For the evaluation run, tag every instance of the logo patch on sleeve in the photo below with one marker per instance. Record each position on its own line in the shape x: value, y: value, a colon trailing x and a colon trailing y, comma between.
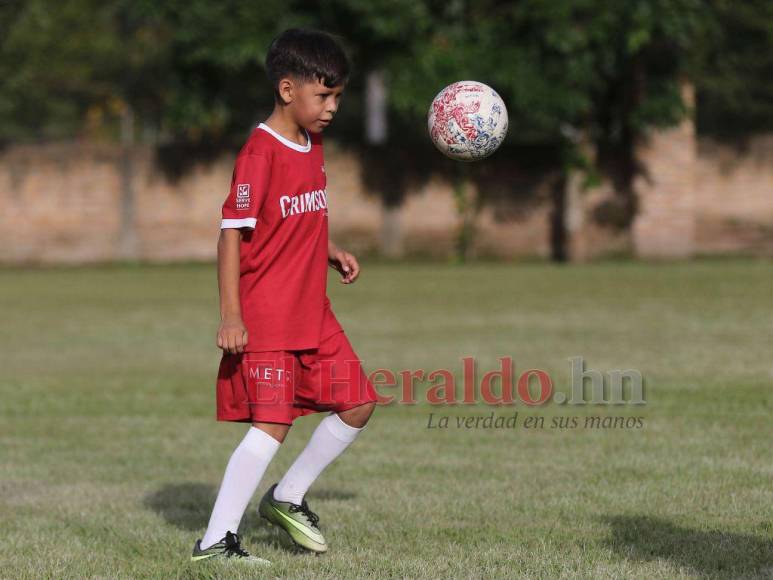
x: 243, y: 196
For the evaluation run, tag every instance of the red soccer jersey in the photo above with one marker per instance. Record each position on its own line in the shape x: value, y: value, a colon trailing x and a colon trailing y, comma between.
x: 278, y: 196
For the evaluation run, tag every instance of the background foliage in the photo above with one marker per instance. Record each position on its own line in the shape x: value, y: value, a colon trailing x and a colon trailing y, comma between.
x: 193, y: 70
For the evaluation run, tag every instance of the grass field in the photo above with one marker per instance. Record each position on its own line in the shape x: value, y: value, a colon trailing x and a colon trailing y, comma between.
x: 111, y: 456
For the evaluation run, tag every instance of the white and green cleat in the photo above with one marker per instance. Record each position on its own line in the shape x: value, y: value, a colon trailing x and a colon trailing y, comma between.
x: 300, y: 523
x: 227, y: 548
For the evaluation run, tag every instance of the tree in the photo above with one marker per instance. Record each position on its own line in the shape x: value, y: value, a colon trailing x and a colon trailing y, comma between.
x: 604, y: 69
x: 733, y: 70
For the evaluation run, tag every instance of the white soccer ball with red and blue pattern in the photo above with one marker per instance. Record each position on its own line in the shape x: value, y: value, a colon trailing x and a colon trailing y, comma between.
x: 467, y: 121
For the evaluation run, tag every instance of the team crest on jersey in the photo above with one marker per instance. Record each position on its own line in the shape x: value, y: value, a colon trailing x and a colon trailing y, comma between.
x: 243, y: 196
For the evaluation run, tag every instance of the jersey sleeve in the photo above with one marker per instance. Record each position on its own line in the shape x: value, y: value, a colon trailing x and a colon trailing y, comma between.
x: 249, y: 188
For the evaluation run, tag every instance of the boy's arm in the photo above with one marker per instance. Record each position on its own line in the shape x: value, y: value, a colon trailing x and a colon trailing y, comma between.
x: 344, y: 262
x: 232, y: 334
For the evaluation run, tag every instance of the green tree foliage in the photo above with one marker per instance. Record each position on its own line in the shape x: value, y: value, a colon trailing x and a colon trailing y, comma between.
x: 53, y: 64
x: 734, y: 76
x: 193, y: 68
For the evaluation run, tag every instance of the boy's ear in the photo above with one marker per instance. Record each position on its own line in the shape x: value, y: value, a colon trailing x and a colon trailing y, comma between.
x: 286, y: 90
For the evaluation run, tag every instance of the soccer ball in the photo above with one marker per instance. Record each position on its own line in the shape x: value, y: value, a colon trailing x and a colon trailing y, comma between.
x: 467, y: 121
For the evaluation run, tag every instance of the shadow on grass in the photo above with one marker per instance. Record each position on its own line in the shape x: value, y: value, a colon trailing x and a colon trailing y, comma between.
x: 330, y: 495
x: 184, y: 505
x: 711, y: 553
x: 188, y: 505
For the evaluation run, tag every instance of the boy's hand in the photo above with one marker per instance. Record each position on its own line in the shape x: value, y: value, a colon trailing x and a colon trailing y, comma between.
x: 232, y: 336
x: 344, y: 262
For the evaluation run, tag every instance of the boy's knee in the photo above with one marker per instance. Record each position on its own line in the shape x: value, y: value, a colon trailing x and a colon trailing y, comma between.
x: 357, y: 416
x: 367, y: 410
x: 276, y: 430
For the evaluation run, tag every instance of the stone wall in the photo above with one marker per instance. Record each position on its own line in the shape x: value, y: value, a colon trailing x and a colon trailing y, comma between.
x: 64, y: 203
x: 734, y: 210
x: 664, y: 226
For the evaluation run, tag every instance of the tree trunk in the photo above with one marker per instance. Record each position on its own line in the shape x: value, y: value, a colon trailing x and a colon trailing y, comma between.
x: 128, y: 247
x: 559, y: 236
x: 376, y: 136
x: 466, y: 201
x: 376, y: 129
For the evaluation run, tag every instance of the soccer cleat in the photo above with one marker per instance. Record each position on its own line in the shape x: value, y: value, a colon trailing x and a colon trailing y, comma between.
x: 300, y: 523
x: 228, y: 547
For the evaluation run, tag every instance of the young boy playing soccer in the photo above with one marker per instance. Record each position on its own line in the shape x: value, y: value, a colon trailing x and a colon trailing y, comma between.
x: 284, y: 353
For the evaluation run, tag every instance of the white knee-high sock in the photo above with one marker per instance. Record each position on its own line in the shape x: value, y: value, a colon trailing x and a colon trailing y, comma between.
x: 243, y: 473
x: 331, y: 437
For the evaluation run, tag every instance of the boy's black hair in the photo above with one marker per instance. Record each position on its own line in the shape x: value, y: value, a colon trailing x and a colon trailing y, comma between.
x: 308, y: 55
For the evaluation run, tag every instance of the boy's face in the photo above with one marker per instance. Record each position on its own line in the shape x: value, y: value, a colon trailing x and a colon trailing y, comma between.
x: 313, y: 104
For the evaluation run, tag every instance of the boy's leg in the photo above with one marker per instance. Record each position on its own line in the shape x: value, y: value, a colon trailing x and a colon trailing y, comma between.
x: 329, y: 440
x: 289, y: 510
x: 242, y: 475
x: 332, y: 376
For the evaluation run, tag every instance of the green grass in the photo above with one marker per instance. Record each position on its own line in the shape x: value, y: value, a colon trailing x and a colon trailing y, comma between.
x: 111, y: 457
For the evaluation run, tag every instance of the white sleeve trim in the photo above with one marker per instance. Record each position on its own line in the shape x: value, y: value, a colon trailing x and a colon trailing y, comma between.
x: 240, y: 223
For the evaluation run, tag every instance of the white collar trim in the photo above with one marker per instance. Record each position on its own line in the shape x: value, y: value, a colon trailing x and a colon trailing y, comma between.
x: 291, y: 144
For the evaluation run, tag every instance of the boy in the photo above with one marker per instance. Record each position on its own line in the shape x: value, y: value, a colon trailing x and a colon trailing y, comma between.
x: 284, y: 353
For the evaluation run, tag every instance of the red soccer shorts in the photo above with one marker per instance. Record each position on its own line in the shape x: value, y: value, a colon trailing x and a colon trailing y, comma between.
x: 278, y: 386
